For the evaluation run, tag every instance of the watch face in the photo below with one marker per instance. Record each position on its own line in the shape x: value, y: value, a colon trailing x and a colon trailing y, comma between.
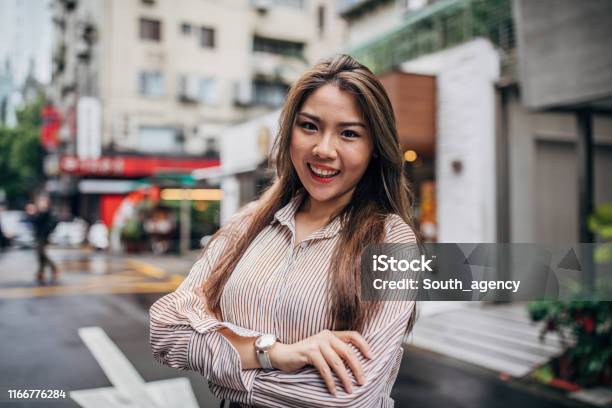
x: 265, y: 341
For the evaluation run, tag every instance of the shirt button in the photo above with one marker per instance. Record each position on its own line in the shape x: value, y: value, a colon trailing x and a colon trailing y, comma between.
x: 304, y: 245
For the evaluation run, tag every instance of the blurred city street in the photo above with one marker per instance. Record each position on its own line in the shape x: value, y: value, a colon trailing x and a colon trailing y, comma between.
x: 131, y: 131
x: 115, y: 292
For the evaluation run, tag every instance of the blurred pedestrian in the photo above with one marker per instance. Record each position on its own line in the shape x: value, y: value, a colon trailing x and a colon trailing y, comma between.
x: 3, y: 239
x: 43, y: 223
x: 4, y: 242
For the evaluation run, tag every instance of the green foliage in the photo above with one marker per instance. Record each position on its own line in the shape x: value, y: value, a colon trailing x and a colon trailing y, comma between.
x: 209, y: 217
x: 590, y: 324
x: 21, y: 155
x: 600, y: 223
x: 133, y: 230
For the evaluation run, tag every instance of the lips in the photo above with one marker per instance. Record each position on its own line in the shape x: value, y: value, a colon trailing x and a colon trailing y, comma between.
x: 322, y: 174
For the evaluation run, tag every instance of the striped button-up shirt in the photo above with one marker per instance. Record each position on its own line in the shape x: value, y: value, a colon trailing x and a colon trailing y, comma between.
x: 278, y: 287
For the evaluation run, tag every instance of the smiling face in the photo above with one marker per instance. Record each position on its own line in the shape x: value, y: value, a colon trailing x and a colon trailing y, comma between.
x: 331, y: 145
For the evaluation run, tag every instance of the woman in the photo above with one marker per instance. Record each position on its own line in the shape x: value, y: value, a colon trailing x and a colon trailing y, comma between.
x: 272, y: 314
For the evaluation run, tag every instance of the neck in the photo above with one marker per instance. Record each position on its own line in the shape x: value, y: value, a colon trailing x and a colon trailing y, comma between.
x: 323, y: 210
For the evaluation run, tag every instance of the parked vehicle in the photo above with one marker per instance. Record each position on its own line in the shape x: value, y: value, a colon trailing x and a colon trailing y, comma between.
x: 69, y: 233
x: 17, y: 228
x: 98, y: 236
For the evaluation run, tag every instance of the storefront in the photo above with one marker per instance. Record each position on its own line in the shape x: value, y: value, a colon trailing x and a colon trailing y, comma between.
x: 414, y: 102
x: 101, y: 185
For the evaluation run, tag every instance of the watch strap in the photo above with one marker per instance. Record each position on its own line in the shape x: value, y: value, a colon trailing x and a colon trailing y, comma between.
x: 264, y: 359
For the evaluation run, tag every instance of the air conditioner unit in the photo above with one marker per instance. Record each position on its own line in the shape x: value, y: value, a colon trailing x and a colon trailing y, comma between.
x: 243, y: 92
x: 262, y: 5
x: 189, y: 88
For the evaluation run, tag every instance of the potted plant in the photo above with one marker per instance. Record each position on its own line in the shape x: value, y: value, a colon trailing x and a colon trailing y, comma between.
x: 588, y: 360
x: 133, y: 234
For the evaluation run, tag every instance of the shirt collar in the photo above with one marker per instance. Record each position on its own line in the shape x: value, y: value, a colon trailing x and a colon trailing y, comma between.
x: 286, y: 216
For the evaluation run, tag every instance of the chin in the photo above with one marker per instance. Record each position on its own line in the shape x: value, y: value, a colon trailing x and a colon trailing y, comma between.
x: 318, y: 196
x: 323, y: 195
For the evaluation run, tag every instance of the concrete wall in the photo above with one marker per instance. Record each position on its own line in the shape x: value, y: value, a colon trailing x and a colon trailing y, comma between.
x: 543, y: 168
x: 242, y: 147
x: 377, y: 21
x: 564, y: 51
x: 466, y: 77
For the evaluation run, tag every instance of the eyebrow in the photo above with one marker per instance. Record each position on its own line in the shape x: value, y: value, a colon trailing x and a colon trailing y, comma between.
x: 342, y: 124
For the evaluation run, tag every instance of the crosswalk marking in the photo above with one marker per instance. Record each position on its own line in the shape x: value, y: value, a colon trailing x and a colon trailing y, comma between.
x: 134, y: 277
x: 129, y: 388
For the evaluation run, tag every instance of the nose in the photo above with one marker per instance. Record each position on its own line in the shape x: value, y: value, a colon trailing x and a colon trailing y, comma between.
x: 325, y: 147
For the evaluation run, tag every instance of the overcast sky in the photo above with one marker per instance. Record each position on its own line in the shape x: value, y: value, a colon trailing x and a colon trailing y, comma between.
x: 25, y: 34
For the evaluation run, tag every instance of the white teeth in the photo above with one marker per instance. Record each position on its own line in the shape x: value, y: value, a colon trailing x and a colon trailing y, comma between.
x: 323, y: 173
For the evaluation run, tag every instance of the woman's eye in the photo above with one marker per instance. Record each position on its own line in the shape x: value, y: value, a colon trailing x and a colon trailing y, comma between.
x: 308, y: 126
x: 350, y: 134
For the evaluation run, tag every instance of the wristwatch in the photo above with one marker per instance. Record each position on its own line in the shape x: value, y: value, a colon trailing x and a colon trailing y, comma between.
x: 262, y: 345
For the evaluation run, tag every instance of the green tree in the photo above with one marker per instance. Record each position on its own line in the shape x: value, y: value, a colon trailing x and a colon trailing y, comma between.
x: 21, y: 155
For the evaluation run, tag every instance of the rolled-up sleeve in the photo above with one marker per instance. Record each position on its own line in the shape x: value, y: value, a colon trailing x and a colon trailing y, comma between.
x: 184, y: 336
x: 306, y: 389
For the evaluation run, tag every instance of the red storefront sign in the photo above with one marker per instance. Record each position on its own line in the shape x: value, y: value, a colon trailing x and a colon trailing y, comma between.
x: 51, y: 122
x: 130, y: 166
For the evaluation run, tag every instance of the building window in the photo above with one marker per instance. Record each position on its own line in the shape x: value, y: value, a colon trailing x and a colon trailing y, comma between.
x: 151, y: 83
x: 159, y: 139
x: 186, y: 28
x: 299, y: 4
x: 207, y: 37
x: 198, y: 89
x: 269, y: 93
x: 188, y: 88
x: 413, y: 5
x: 290, y: 3
x: 150, y: 29
x: 212, y: 149
x: 280, y: 47
x: 209, y: 92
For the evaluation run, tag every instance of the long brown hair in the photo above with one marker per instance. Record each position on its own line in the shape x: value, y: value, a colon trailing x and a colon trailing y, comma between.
x: 382, y: 190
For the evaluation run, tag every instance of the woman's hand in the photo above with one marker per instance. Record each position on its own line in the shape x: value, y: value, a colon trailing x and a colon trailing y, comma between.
x: 328, y: 352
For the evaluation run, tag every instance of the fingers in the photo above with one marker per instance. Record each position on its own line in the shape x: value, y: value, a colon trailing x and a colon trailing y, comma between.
x: 317, y: 360
x: 335, y: 363
x: 355, y: 339
x: 350, y: 358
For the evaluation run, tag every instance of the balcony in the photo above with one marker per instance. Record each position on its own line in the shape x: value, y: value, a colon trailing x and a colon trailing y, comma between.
x: 277, y: 67
x: 352, y: 8
x: 442, y: 25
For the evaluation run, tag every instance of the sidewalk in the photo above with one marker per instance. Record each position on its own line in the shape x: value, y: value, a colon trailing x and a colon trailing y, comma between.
x: 501, y: 338
x: 497, y: 337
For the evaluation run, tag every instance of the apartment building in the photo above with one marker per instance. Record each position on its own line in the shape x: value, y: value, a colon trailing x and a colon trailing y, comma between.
x: 504, y: 170
x: 163, y: 78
